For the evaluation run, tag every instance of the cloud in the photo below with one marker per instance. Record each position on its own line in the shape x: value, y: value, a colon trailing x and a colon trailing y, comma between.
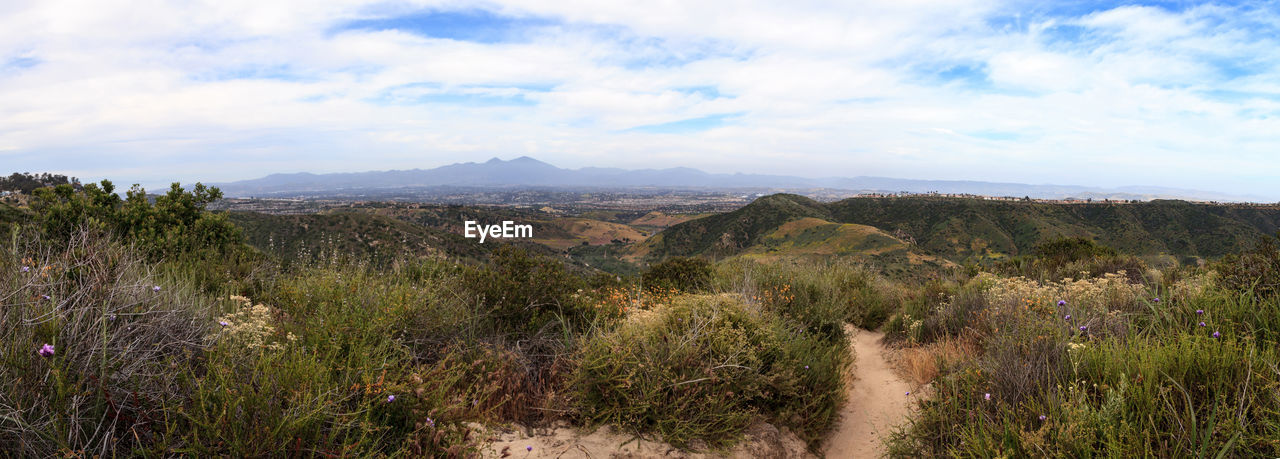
x: 1089, y: 93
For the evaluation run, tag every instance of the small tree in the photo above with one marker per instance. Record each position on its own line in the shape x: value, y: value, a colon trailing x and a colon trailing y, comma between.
x: 176, y: 223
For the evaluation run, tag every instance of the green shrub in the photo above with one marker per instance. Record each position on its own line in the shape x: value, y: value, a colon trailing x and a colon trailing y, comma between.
x: 1256, y: 271
x: 704, y: 368
x: 1067, y: 250
x: 523, y: 292
x: 175, y: 223
x: 686, y: 274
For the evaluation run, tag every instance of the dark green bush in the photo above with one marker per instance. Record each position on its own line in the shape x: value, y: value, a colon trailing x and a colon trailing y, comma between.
x: 687, y: 274
x: 523, y: 292
x: 1067, y: 250
x: 1256, y: 271
x: 704, y: 367
x: 176, y: 223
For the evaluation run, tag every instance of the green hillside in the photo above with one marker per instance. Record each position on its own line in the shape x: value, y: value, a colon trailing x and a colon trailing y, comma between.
x: 978, y: 230
x: 358, y: 234
x: 731, y: 233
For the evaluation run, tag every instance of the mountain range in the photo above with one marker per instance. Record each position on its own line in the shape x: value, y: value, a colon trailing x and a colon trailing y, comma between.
x: 529, y: 172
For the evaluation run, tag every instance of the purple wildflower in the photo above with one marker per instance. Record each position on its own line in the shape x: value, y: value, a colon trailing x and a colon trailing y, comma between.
x: 1043, y: 417
x: 1084, y: 327
x: 223, y: 323
x: 1157, y: 299
x: 155, y: 289
x: 46, y: 350
x: 431, y: 422
x: 391, y: 398
x: 46, y: 297
x: 1217, y: 335
x: 1068, y: 317
x: 1201, y: 324
x: 908, y: 392
x: 1062, y: 302
x: 26, y: 269
x: 1199, y: 312
x: 528, y: 448
x: 986, y: 396
x: 806, y: 367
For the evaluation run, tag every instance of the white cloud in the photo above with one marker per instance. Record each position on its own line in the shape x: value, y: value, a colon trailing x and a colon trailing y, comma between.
x: 932, y: 89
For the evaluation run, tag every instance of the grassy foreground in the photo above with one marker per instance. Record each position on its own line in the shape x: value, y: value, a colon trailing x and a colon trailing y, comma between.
x: 1173, y: 363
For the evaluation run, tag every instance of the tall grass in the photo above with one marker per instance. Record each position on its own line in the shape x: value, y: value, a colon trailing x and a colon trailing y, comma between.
x: 822, y: 295
x: 119, y: 332
x: 704, y: 368
x: 1103, y: 366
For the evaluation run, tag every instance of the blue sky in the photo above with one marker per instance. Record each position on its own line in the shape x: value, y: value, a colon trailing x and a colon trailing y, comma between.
x: 1178, y: 94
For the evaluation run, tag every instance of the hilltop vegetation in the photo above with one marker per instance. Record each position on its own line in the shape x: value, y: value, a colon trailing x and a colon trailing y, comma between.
x: 973, y: 230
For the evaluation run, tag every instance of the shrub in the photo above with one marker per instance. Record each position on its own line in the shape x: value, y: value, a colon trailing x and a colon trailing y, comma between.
x: 1256, y: 271
x: 704, y: 368
x: 176, y: 223
x: 688, y: 274
x: 523, y: 292
x: 1067, y: 250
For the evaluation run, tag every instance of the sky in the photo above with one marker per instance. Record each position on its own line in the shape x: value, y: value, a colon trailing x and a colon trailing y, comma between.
x: 1177, y: 94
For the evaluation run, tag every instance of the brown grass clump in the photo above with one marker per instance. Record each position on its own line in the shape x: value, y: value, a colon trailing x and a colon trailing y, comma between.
x: 920, y: 365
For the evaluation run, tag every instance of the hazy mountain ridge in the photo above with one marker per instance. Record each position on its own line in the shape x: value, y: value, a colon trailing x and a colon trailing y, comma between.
x: 528, y: 172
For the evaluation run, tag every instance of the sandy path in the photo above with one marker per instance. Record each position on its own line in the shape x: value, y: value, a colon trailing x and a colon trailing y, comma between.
x: 877, y: 401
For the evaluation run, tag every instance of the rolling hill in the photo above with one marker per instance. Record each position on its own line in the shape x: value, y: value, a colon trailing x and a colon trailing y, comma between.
x: 963, y: 230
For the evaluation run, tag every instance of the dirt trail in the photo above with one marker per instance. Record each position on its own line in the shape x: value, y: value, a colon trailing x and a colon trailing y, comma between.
x: 762, y: 441
x: 877, y: 401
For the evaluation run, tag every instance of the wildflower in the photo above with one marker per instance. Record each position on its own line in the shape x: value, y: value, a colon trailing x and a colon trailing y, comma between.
x: 223, y: 323
x: 1157, y: 299
x: 391, y: 398
x: 1062, y: 302
x: 1068, y: 317
x: 1043, y: 417
x: 528, y: 448
x: 1217, y: 335
x: 46, y: 297
x: 1201, y: 324
x: 1084, y: 327
x: 806, y: 367
x: 155, y: 289
x: 908, y: 393
x: 46, y: 350
x: 986, y: 396
x: 431, y: 422
x: 1200, y: 312
x: 26, y: 269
